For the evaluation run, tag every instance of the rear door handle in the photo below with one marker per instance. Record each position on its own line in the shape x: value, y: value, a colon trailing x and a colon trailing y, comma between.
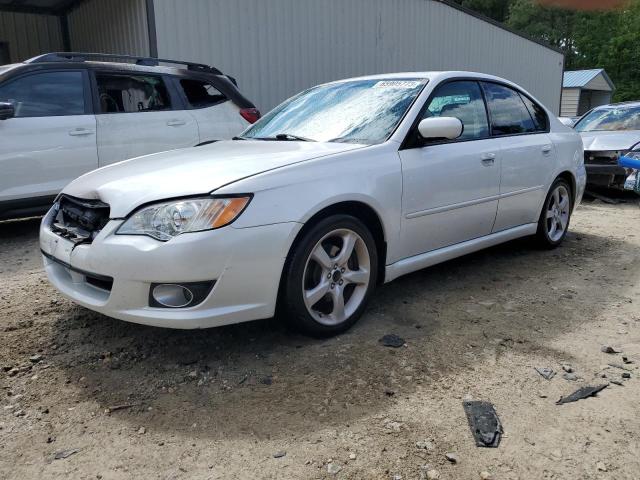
x: 81, y: 131
x: 488, y: 159
x: 546, y: 149
x: 176, y: 123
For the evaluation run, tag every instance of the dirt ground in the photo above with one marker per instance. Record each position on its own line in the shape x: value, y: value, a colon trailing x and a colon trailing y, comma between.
x: 254, y: 401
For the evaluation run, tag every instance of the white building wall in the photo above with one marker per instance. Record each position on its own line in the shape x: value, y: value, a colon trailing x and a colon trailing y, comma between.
x: 570, y: 102
x: 276, y: 48
x: 29, y: 35
x: 110, y: 26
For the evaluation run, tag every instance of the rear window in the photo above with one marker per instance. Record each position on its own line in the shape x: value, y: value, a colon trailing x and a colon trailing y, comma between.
x: 538, y: 115
x: 201, y: 94
x: 132, y: 93
x: 509, y: 115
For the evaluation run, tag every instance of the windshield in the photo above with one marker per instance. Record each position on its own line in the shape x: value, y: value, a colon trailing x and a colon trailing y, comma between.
x: 614, y: 118
x: 358, y: 111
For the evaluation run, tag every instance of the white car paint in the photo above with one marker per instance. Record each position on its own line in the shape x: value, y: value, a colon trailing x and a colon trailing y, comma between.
x: 434, y: 203
x: 615, y: 140
x: 41, y: 155
x: 43, y: 163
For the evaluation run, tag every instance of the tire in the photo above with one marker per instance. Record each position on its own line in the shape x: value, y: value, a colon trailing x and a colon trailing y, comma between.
x: 315, y: 282
x: 555, y: 216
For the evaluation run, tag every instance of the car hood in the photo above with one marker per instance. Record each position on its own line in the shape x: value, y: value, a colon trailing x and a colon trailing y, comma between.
x: 191, y: 171
x: 610, y: 140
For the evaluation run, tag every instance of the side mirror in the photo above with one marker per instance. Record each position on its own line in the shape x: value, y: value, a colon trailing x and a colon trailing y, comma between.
x: 6, y: 110
x: 440, y: 127
x: 569, y: 122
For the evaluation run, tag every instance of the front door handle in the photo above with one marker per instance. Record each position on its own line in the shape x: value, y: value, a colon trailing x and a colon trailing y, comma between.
x: 81, y: 131
x: 488, y: 159
x: 546, y: 149
x: 176, y: 123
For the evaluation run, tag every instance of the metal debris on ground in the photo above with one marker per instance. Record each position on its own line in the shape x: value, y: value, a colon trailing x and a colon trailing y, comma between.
x: 582, y: 393
x: 617, y: 365
x: 120, y: 407
x: 547, y: 373
x: 602, y: 198
x: 392, y: 340
x: 610, y: 349
x: 484, y: 423
x: 66, y: 453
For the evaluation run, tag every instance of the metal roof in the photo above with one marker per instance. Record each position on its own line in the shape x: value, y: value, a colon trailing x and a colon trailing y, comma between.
x: 580, y: 78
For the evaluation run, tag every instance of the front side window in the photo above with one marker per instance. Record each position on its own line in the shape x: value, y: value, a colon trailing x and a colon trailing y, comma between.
x: 131, y: 93
x: 201, y: 94
x: 45, y: 94
x: 462, y: 100
x: 610, y: 118
x: 509, y: 115
x: 354, y: 111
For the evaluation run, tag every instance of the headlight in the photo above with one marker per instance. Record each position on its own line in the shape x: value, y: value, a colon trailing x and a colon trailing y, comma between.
x: 166, y: 220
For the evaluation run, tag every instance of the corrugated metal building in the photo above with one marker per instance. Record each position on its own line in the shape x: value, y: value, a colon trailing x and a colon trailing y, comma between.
x: 583, y: 90
x: 275, y: 48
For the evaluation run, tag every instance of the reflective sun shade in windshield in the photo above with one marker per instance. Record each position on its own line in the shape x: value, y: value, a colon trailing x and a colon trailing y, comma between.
x: 355, y: 111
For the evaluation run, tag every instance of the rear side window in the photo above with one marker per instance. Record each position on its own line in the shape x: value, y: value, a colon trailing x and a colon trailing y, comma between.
x: 201, y: 94
x: 539, y: 116
x: 46, y: 94
x: 132, y: 93
x: 508, y: 113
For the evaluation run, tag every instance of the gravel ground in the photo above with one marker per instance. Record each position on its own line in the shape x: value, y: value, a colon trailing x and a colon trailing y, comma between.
x: 125, y: 401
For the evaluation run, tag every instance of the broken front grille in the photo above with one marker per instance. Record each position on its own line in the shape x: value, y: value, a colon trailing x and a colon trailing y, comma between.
x: 601, y: 158
x: 79, y: 220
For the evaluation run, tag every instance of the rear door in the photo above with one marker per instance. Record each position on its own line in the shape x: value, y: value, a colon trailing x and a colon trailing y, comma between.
x: 137, y: 114
x: 528, y: 155
x: 217, y: 116
x: 52, y: 138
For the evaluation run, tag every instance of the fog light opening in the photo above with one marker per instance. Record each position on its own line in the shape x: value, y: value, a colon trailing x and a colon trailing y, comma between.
x: 172, y: 295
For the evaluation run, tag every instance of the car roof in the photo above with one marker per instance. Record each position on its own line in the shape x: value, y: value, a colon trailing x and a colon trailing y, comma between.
x: 431, y: 76
x: 630, y: 104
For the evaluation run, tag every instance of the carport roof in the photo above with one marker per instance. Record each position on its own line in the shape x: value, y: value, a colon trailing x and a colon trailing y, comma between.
x: 47, y: 7
x: 581, y: 78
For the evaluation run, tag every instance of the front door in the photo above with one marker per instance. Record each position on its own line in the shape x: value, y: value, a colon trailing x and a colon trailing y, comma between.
x: 52, y: 138
x: 137, y: 116
x: 450, y: 188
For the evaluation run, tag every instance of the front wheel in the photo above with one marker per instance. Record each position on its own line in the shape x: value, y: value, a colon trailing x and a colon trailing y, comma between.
x: 555, y: 216
x: 330, y: 276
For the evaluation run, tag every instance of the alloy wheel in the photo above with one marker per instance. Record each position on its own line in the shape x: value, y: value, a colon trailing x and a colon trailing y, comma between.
x: 336, y: 276
x: 557, y: 216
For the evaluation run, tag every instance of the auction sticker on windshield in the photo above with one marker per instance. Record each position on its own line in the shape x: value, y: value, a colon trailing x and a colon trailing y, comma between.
x: 397, y: 84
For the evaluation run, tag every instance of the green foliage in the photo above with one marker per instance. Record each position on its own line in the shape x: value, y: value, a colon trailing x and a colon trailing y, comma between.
x: 495, y: 9
x: 609, y: 40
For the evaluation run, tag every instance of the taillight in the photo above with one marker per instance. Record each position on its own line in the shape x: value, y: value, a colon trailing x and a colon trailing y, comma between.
x: 251, y: 115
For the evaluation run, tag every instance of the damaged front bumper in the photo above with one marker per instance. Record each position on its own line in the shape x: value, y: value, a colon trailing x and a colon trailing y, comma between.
x: 603, y: 169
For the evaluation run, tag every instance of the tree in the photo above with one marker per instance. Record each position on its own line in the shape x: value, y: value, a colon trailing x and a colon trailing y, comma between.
x: 600, y: 39
x: 496, y: 9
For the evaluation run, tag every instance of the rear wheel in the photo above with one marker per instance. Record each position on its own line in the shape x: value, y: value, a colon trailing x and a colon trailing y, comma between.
x: 330, y: 276
x: 555, y: 216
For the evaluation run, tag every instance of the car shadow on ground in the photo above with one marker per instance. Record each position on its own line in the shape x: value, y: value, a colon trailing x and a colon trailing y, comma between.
x: 258, y: 379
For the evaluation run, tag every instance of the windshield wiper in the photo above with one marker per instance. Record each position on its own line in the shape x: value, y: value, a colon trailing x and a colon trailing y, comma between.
x: 238, y: 138
x: 287, y: 137
x: 290, y: 137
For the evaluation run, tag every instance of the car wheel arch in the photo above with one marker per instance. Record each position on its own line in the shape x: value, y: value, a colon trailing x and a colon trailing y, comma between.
x: 571, y: 180
x: 358, y: 209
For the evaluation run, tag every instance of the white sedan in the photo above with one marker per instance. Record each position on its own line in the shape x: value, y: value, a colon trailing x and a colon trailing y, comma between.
x: 340, y: 188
